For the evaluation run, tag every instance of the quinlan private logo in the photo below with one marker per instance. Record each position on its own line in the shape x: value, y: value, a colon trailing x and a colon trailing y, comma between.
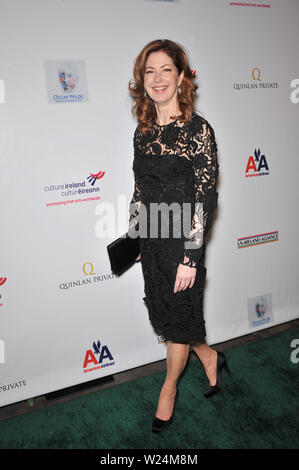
x: 105, y: 358
x: 256, y: 164
x: 256, y: 82
x: 93, y: 178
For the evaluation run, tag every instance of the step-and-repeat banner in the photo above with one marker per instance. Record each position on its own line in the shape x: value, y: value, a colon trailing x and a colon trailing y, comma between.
x: 66, y: 154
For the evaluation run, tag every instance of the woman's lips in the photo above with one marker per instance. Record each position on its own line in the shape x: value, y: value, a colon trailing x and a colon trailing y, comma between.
x: 160, y: 89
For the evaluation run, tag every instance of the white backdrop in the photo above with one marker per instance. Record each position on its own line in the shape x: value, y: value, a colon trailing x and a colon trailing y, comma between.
x: 65, y: 115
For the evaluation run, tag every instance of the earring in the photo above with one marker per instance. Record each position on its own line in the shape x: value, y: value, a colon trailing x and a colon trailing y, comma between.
x: 179, y: 89
x: 145, y: 94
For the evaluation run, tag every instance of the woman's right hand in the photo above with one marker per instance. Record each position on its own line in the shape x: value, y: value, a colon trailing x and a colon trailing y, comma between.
x: 139, y: 256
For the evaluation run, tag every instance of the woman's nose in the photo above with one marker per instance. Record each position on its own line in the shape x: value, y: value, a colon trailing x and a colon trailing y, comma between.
x: 157, y: 77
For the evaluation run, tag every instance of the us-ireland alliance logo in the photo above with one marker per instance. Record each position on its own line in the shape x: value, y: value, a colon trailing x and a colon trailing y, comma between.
x: 97, y: 358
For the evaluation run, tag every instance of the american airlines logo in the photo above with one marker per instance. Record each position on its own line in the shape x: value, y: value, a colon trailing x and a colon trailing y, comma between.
x: 91, y: 362
x: 257, y: 165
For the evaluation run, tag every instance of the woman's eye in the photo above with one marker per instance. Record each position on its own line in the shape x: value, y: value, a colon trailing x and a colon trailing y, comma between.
x: 164, y: 70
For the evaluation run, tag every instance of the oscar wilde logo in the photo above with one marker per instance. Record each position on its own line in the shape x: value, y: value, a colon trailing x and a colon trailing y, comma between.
x: 67, y: 80
x: 260, y: 310
x: 91, y: 362
x: 256, y: 164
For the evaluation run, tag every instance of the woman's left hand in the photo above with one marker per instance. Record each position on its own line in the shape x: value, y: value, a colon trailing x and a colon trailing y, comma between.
x: 185, y: 277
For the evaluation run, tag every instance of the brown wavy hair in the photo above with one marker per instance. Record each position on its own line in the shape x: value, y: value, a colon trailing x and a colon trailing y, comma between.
x: 143, y: 108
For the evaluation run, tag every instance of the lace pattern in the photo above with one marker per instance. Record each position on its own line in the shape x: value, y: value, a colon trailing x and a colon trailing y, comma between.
x: 205, y: 169
x: 195, y: 143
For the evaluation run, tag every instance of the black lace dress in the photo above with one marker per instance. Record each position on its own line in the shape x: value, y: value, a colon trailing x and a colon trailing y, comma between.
x: 175, y: 164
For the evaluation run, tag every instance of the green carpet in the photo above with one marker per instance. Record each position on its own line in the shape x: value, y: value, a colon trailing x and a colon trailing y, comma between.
x: 256, y: 409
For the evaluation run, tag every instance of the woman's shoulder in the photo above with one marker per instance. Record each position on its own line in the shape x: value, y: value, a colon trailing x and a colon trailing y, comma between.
x: 137, y: 132
x: 136, y: 135
x: 198, y: 124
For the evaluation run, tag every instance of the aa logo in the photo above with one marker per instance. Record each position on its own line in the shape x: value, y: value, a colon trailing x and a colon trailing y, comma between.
x: 97, y: 358
x: 257, y: 165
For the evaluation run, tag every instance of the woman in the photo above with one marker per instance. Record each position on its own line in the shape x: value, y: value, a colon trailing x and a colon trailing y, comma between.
x: 175, y: 162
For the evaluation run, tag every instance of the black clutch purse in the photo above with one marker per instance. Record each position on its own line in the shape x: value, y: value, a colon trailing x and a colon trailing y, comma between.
x: 123, y: 253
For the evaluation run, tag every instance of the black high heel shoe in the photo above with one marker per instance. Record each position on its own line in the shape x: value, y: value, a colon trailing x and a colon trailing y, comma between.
x: 221, y: 362
x: 158, y: 424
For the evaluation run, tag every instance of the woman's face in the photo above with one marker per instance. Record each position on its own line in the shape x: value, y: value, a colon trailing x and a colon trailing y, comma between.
x: 161, y: 78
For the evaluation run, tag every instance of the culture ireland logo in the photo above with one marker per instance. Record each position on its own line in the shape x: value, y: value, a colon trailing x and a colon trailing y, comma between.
x: 76, y: 191
x: 92, y: 178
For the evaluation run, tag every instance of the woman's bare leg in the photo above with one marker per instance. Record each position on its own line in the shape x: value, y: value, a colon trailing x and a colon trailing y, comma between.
x: 177, y: 356
x: 208, y: 357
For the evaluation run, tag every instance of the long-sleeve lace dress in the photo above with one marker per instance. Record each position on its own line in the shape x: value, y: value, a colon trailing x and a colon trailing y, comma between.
x: 175, y: 164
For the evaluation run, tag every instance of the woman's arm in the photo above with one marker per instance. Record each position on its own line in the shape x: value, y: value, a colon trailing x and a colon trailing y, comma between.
x: 134, y: 209
x: 206, y: 169
x: 135, y: 201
